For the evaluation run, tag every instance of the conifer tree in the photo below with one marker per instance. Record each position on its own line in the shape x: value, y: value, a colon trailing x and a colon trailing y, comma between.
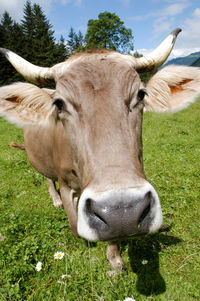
x: 10, y: 38
x: 28, y: 26
x: 62, y: 52
x: 75, y: 41
x: 33, y: 39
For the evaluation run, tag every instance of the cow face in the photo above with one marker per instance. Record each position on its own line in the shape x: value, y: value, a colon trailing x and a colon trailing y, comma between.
x: 100, y: 102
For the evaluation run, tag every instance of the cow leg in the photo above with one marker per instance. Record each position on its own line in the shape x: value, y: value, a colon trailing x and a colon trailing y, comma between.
x: 57, y: 202
x: 114, y: 257
x: 70, y: 204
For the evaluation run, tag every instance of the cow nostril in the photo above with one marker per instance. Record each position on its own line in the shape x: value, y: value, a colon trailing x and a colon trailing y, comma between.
x: 94, y: 212
x: 144, y: 215
x: 88, y: 206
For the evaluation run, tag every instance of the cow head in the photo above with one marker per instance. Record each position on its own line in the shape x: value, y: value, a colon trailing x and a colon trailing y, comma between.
x: 99, y: 99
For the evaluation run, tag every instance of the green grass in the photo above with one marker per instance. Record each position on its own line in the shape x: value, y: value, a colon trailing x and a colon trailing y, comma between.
x: 35, y: 230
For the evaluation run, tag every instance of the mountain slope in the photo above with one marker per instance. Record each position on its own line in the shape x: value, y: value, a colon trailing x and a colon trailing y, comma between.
x: 186, y: 60
x: 196, y: 63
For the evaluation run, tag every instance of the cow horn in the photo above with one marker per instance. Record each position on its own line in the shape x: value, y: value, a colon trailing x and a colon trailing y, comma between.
x: 156, y: 58
x: 33, y: 73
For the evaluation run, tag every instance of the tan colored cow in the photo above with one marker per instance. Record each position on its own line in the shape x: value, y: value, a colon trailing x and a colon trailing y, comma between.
x: 87, y: 134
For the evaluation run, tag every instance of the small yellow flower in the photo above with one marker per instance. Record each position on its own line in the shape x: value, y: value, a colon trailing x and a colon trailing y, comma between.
x: 144, y: 261
x: 59, y: 255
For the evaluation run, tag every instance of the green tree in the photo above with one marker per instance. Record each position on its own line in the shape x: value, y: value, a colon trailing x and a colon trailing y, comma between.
x: 61, y: 51
x: 27, y: 25
x: 33, y: 39
x: 109, y: 32
x: 10, y: 38
x: 39, y: 40
x: 75, y: 41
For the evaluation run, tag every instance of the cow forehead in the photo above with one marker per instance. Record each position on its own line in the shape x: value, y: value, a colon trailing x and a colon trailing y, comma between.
x: 98, y: 73
x: 104, y: 55
x: 84, y: 62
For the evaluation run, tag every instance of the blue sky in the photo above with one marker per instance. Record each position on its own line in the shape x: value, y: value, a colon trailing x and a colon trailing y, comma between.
x: 151, y: 20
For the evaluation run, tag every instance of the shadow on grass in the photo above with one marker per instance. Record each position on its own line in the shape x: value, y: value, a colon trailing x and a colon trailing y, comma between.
x: 150, y: 281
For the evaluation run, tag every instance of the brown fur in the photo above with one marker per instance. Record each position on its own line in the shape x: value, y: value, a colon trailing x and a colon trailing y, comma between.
x: 96, y: 142
x: 17, y: 145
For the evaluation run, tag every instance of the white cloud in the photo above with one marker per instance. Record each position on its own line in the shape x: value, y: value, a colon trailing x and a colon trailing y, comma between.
x: 161, y: 25
x: 177, y: 52
x: 189, y: 39
x: 190, y: 36
x: 174, y: 9
x: 167, y: 16
x: 164, y: 18
x: 15, y: 7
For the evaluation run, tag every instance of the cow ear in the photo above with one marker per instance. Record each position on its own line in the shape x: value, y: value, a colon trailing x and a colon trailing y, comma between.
x: 25, y: 104
x: 172, y: 89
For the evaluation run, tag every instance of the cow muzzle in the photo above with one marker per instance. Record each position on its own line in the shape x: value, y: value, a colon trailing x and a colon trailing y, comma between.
x: 118, y: 213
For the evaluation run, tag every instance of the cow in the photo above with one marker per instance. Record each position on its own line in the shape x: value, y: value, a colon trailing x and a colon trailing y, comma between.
x: 87, y: 134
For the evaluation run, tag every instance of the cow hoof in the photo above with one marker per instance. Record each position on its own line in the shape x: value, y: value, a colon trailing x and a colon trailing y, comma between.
x: 114, y: 257
x: 112, y: 273
x: 57, y: 203
x: 117, y: 263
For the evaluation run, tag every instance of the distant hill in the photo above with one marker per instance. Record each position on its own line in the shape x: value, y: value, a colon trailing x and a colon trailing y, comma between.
x: 186, y: 60
x: 196, y: 63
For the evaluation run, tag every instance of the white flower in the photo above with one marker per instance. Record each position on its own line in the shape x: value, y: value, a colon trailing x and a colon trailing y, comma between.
x: 66, y: 276
x: 38, y: 266
x: 61, y: 282
x: 144, y: 261
x: 129, y: 299
x: 59, y: 255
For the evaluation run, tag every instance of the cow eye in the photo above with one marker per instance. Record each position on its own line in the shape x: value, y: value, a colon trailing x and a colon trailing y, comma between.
x: 60, y: 104
x: 141, y: 94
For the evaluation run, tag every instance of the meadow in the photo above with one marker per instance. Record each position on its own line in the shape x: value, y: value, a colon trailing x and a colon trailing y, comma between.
x: 163, y: 266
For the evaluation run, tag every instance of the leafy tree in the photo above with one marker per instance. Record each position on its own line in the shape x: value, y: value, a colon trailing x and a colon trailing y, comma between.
x: 109, y: 32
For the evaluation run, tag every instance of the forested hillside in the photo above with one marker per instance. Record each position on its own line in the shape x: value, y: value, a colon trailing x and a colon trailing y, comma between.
x: 185, y: 60
x: 196, y: 63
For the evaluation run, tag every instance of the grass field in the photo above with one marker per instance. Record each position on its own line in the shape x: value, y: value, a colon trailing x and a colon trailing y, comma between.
x: 32, y: 230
